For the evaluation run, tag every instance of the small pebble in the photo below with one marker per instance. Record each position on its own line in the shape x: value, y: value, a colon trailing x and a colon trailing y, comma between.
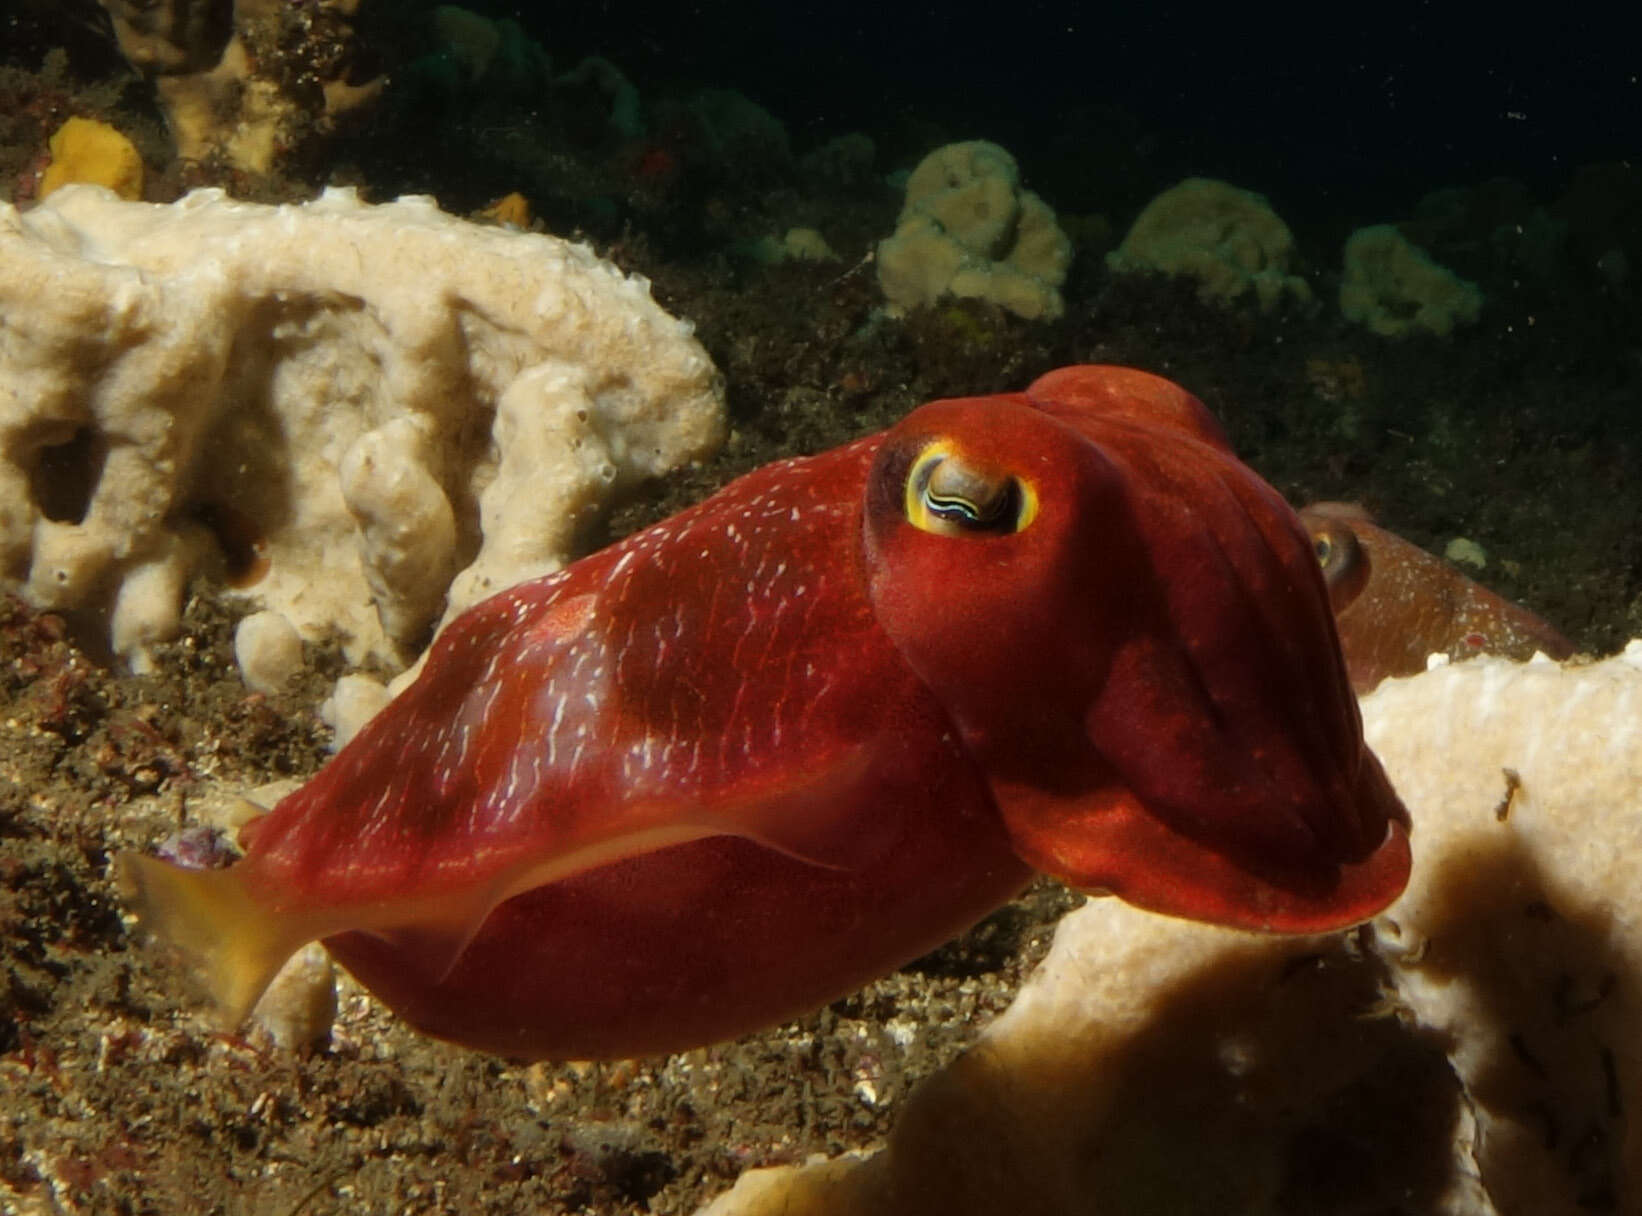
x: 296, y: 1012
x: 268, y: 650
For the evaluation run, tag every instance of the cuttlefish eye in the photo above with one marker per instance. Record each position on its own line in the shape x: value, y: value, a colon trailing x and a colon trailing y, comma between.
x: 1344, y: 561
x: 949, y: 496
x: 1337, y: 551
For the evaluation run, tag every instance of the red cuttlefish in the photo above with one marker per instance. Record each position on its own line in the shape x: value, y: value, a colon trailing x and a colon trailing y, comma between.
x: 749, y: 758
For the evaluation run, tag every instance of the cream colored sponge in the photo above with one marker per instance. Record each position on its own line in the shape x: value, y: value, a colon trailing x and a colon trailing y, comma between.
x: 967, y: 228
x: 1390, y: 285
x: 373, y: 415
x: 1473, y: 1050
x: 1228, y: 239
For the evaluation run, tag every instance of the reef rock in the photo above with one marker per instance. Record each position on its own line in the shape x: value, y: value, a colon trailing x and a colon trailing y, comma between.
x: 245, y: 81
x: 1472, y: 1050
x: 375, y: 414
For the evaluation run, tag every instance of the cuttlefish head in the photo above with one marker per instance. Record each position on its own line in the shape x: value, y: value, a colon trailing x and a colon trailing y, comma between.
x: 1131, y: 634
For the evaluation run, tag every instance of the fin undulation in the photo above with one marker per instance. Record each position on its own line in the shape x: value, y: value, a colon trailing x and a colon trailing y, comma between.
x: 430, y: 933
x: 236, y: 945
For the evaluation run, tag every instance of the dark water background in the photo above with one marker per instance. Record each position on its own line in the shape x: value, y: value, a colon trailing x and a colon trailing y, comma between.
x: 1361, y: 108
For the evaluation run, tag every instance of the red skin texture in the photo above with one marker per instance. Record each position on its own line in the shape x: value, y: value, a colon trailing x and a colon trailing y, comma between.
x: 795, y: 741
x: 1395, y: 604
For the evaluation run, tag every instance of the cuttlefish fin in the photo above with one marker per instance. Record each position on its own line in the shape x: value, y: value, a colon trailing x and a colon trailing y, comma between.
x: 236, y: 945
x: 823, y: 817
x: 833, y: 813
x: 429, y: 934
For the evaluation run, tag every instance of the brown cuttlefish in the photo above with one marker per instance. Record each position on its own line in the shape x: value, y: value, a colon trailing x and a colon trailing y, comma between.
x: 1395, y: 604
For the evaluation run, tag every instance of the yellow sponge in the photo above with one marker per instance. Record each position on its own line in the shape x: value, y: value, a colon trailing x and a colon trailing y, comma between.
x: 85, y: 150
x: 511, y: 210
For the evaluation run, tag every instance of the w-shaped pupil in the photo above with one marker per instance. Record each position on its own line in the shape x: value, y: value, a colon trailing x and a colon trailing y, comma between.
x: 956, y: 494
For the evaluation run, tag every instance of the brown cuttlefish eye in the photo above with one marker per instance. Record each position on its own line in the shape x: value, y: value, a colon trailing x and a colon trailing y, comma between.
x: 947, y: 495
x: 1337, y: 550
x: 1343, y: 559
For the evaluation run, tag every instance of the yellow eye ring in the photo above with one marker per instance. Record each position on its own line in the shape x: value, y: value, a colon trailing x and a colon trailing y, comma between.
x: 947, y: 496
